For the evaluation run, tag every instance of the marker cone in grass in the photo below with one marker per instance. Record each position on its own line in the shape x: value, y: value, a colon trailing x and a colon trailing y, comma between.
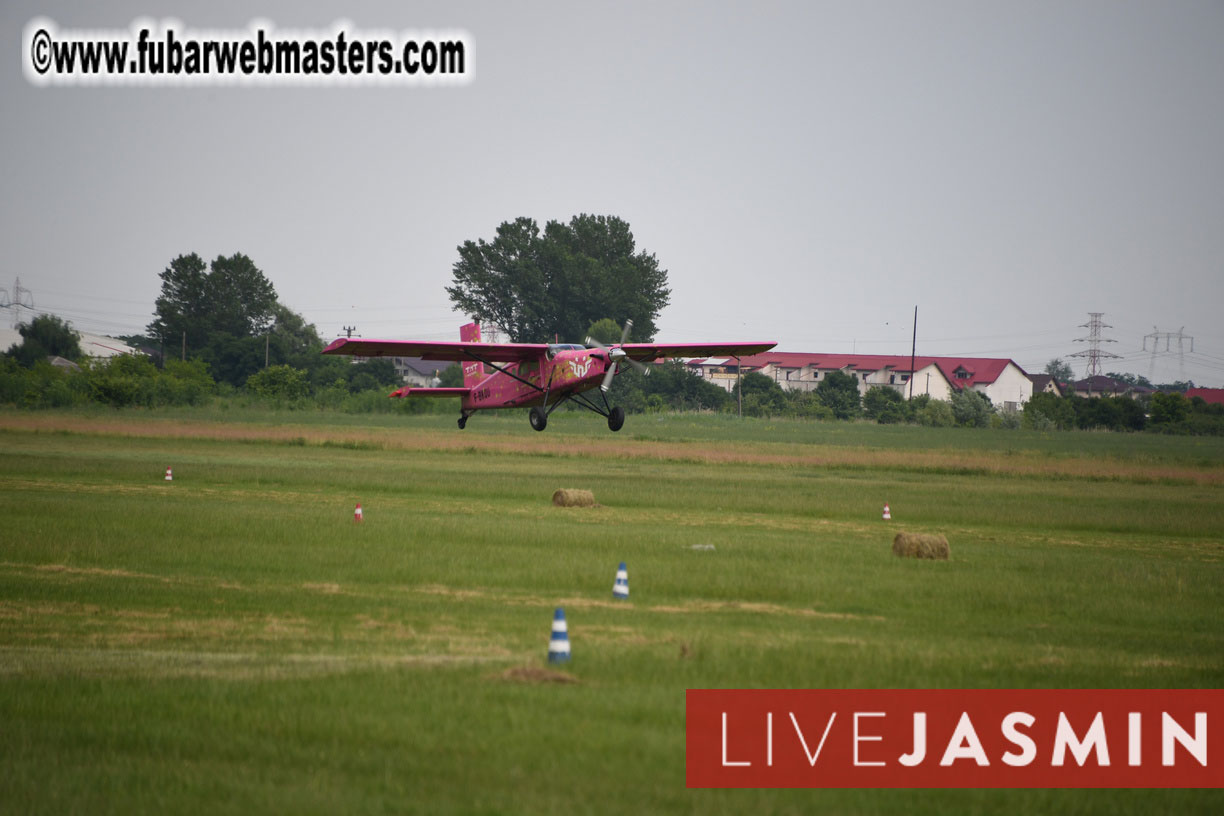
x: 620, y: 589
x: 357, y: 513
x: 169, y: 475
x: 887, y: 514
x: 558, y: 646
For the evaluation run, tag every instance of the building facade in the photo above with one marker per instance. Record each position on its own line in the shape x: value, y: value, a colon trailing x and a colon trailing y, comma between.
x: 1004, y: 382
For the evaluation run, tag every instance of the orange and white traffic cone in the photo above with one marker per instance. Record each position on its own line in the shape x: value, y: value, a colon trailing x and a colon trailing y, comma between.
x: 169, y: 475
x: 887, y: 515
x: 357, y: 513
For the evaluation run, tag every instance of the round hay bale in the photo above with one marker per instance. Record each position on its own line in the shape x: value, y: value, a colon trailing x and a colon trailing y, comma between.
x: 921, y: 545
x: 565, y: 497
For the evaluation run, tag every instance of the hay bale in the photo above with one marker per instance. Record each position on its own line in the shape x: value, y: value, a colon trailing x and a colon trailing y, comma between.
x: 565, y: 497
x: 920, y: 545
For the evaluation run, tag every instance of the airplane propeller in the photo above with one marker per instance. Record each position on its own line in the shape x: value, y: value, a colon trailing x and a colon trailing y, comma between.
x: 617, y: 355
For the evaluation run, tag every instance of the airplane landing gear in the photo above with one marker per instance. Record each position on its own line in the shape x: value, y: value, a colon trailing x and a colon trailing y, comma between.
x: 616, y: 418
x: 462, y: 422
x: 538, y: 419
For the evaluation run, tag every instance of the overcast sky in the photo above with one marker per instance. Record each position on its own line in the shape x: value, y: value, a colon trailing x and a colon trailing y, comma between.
x: 807, y: 172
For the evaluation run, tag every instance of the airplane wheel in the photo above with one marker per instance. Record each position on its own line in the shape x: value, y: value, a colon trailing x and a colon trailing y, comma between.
x: 462, y: 422
x: 538, y: 419
x: 616, y: 418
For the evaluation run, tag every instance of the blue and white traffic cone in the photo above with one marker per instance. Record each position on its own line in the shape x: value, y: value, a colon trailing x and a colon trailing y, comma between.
x: 558, y: 646
x: 620, y: 589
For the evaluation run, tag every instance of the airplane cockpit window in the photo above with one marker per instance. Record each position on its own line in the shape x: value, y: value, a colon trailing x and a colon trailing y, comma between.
x: 553, y: 348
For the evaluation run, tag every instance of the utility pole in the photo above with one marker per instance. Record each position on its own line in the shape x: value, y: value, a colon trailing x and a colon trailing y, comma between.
x: 913, y: 352
x: 739, y: 386
x: 348, y: 331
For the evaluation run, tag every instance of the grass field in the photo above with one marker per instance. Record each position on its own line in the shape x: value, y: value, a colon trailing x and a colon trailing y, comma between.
x: 232, y: 641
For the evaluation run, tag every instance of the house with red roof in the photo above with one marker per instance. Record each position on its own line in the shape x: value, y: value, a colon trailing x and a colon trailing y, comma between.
x: 1213, y: 396
x: 1004, y: 382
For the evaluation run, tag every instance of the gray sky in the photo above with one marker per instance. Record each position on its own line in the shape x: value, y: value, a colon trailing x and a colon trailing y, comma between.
x: 807, y: 172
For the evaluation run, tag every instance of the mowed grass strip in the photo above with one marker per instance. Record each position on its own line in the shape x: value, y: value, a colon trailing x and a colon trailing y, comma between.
x: 233, y: 640
x: 1141, y: 458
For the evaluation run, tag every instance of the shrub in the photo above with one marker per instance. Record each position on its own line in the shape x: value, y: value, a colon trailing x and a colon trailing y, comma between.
x: 1169, y: 408
x: 806, y: 405
x: 936, y: 414
x: 279, y: 382
x: 972, y: 409
x: 1008, y: 420
x: 122, y: 381
x: 884, y: 405
x: 1047, y: 411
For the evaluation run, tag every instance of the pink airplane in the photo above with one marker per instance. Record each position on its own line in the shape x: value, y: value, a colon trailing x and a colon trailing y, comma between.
x: 539, y: 376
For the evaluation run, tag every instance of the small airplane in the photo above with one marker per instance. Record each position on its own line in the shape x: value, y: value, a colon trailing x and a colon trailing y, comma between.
x: 539, y: 376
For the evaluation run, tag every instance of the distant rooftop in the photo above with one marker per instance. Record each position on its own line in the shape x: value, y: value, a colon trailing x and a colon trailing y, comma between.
x: 92, y: 345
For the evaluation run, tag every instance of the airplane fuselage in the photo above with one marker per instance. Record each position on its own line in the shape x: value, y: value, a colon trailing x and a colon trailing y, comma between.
x: 565, y: 371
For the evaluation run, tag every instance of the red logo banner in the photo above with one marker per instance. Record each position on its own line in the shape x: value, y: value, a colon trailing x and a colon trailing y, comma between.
x: 955, y: 738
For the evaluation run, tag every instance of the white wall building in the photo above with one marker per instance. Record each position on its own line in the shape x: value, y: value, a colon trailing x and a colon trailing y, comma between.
x: 1004, y: 382
x: 92, y: 345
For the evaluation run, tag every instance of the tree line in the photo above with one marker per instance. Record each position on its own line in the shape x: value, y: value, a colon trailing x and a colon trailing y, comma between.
x: 219, y: 332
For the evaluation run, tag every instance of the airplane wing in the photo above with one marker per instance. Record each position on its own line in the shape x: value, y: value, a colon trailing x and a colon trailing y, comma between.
x: 643, y: 352
x: 411, y: 391
x: 495, y: 352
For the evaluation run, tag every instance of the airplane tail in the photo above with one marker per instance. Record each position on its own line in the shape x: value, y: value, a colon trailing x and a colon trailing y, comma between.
x: 473, y: 372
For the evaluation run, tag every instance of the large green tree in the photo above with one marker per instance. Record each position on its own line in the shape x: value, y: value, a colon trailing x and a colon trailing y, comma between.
x: 537, y: 285
x: 241, y: 301
x: 226, y: 313
x: 606, y: 331
x: 231, y: 296
x: 46, y: 336
x: 762, y: 395
x: 839, y: 391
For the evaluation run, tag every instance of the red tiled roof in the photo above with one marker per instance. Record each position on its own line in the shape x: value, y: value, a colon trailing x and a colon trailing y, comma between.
x: 981, y: 370
x: 1215, y: 396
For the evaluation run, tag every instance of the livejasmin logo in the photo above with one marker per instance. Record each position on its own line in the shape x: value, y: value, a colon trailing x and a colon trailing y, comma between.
x: 954, y: 738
